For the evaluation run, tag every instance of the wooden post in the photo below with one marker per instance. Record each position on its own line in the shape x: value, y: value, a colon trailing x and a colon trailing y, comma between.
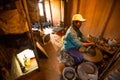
x: 51, y: 12
x: 30, y: 29
x: 44, y: 10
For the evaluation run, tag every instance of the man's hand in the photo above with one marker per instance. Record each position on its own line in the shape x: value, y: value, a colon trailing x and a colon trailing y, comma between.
x: 91, y: 43
x: 88, y: 43
x: 84, y: 47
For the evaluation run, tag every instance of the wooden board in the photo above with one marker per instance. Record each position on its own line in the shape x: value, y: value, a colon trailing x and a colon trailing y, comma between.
x: 42, y: 49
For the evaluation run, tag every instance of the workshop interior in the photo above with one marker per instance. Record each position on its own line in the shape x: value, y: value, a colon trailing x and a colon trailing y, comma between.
x: 32, y: 34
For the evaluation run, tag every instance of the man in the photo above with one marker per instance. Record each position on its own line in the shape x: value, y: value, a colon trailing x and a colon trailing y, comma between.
x: 74, y: 39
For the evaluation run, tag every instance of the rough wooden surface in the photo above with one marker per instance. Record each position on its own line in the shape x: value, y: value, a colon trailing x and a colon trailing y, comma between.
x: 12, y: 23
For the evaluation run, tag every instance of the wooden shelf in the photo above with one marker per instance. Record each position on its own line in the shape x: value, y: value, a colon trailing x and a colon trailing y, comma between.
x: 105, y: 48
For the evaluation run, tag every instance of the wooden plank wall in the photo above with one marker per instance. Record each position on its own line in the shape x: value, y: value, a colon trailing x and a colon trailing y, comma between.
x: 55, y: 7
x: 102, y: 16
x: 113, y: 26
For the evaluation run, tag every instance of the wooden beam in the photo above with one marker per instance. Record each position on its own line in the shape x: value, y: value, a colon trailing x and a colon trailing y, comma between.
x: 51, y: 12
x: 24, y: 3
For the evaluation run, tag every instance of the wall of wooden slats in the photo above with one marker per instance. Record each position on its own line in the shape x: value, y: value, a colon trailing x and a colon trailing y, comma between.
x: 113, y: 26
x: 55, y: 7
x: 102, y: 17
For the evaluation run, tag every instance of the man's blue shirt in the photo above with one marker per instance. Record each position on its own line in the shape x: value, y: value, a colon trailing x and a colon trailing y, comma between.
x: 72, y: 38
